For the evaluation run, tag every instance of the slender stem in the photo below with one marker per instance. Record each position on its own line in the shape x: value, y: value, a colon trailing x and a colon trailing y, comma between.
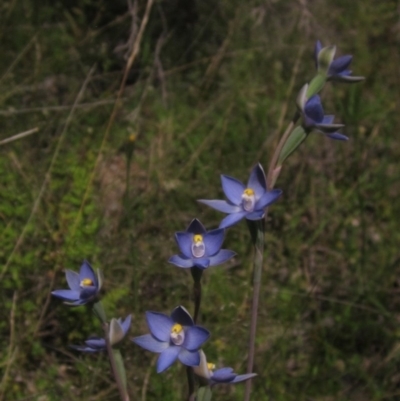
x: 257, y: 230
x: 118, y: 379
x: 270, y: 178
x: 258, y: 241
x: 196, y: 274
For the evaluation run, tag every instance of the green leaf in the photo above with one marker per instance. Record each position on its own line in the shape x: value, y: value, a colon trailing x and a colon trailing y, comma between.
x: 204, y: 393
x: 295, y: 139
x: 316, y: 84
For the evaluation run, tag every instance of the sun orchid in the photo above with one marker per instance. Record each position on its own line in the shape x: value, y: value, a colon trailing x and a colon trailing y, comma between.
x: 314, y: 118
x: 84, y: 286
x: 200, y: 248
x: 173, y: 337
x: 222, y: 375
x: 118, y: 329
x: 335, y: 70
x: 244, y: 201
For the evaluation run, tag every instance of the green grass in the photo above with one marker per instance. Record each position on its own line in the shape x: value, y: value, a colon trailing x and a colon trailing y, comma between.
x: 330, y: 293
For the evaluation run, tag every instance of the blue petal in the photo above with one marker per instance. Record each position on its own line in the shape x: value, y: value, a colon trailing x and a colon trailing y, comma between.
x: 346, y: 77
x: 339, y: 65
x: 202, y: 263
x: 328, y: 128
x: 221, y: 205
x: 160, y: 325
x: 257, y: 181
x: 185, y: 241
x: 242, y: 378
x: 150, y: 343
x: 189, y: 358
x: 88, y: 292
x: 232, y: 219
x: 67, y: 295
x: 195, y: 336
x: 73, y: 280
x: 182, y: 316
x: 221, y: 257
x: 313, y: 109
x: 126, y: 324
x: 84, y: 348
x: 167, y: 358
x: 181, y: 261
x: 195, y: 227
x: 86, y: 271
x: 338, y: 136
x: 96, y: 343
x: 317, y: 49
x: 224, y: 375
x: 213, y: 241
x: 328, y: 119
x: 256, y: 215
x: 233, y: 189
x: 267, y: 199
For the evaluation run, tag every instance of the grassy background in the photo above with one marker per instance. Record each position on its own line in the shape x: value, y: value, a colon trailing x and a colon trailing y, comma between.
x: 210, y: 92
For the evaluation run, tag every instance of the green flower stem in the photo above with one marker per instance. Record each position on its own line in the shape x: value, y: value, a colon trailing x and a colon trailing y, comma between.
x: 272, y: 173
x: 116, y: 364
x: 196, y: 274
x: 114, y: 355
x: 257, y: 231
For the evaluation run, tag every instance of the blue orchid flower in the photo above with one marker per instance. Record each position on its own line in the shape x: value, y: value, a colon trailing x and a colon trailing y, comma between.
x: 222, y: 375
x: 173, y: 337
x: 314, y: 118
x: 244, y: 201
x: 84, y: 286
x: 200, y: 248
x: 336, y: 70
x: 117, y: 331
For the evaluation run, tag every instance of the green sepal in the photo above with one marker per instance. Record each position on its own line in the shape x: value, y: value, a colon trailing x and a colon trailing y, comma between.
x: 316, y: 84
x: 297, y: 136
x: 119, y: 363
x: 325, y: 58
x: 204, y: 394
x: 98, y: 310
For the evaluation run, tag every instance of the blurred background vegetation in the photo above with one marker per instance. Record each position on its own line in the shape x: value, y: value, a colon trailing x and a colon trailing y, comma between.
x: 211, y: 90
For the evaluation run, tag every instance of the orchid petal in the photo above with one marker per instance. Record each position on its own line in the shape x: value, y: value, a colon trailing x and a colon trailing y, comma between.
x: 268, y: 198
x: 189, y: 358
x: 195, y: 336
x: 213, y: 241
x: 73, y: 280
x: 257, y: 181
x: 221, y: 257
x: 233, y: 189
x: 232, y: 219
x: 195, y: 227
x: 160, y: 325
x: 167, y: 358
x: 221, y: 205
x: 182, y: 316
x: 181, y: 261
x: 185, y: 241
x: 149, y: 343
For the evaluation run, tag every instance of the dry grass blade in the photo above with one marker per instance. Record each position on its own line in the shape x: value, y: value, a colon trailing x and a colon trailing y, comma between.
x: 19, y: 136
